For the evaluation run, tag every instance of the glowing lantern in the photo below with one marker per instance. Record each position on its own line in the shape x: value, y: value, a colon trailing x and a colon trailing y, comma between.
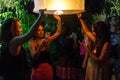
x: 59, y: 6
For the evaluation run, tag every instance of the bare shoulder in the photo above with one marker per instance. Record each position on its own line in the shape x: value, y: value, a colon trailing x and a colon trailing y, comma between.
x: 107, y: 45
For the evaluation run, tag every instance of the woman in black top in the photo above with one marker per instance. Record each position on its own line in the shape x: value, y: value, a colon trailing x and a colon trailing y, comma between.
x: 13, y: 55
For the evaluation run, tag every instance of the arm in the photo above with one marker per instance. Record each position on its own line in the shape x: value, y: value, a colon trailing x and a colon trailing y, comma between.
x: 59, y: 29
x: 87, y: 46
x: 84, y: 64
x: 16, y: 42
x: 85, y: 28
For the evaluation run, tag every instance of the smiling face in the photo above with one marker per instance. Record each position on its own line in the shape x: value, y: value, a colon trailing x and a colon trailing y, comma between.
x: 40, y: 32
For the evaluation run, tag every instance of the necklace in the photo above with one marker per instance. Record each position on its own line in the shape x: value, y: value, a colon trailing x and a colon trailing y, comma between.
x: 95, y: 48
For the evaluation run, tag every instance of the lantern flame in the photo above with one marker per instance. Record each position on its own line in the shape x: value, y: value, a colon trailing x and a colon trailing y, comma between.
x: 58, y: 12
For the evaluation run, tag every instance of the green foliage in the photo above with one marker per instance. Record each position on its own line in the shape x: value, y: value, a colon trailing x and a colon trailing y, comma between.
x: 13, y: 9
x: 50, y: 23
x: 112, y: 7
x: 95, y: 8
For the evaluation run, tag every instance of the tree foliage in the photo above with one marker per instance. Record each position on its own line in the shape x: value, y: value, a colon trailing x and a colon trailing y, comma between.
x: 112, y: 7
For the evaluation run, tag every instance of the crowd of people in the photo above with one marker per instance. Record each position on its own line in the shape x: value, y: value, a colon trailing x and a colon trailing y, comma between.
x: 99, y: 50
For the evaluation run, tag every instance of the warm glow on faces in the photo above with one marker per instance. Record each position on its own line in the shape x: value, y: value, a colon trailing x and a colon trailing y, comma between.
x: 40, y: 32
x: 18, y: 29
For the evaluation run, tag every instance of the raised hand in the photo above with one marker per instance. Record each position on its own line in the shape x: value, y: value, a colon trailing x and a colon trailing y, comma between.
x: 41, y: 12
x: 79, y: 15
x: 57, y: 17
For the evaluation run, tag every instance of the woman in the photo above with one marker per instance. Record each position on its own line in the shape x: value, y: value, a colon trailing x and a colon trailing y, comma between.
x: 67, y: 66
x: 98, y: 66
x: 13, y: 55
x: 39, y: 48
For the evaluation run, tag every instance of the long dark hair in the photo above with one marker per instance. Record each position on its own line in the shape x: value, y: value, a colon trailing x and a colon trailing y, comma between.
x: 102, y: 35
x: 35, y: 35
x: 8, y: 26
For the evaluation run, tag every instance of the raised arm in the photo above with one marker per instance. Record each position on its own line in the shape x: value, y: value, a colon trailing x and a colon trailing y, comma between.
x: 58, y: 31
x: 85, y: 28
x: 16, y: 42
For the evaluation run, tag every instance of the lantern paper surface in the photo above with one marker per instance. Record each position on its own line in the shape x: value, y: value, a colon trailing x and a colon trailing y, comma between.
x: 59, y: 6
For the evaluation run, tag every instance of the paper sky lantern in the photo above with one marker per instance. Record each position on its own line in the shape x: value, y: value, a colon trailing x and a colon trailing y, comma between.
x: 59, y: 6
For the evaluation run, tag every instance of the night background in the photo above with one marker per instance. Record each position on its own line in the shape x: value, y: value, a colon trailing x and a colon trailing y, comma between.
x: 95, y: 10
